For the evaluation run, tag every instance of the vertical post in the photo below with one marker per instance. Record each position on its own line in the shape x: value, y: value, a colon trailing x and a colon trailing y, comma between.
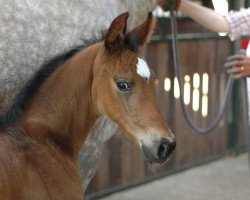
x: 231, y: 4
x: 246, y: 115
x: 247, y: 3
x: 234, y: 126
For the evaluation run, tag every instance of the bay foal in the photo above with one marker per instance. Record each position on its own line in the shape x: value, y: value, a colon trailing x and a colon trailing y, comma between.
x: 44, y: 129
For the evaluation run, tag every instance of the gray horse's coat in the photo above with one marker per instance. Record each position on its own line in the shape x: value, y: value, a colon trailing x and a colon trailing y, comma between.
x: 32, y: 31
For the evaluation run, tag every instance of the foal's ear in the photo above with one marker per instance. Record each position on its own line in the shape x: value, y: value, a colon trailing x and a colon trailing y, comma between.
x: 116, y: 32
x: 141, y: 34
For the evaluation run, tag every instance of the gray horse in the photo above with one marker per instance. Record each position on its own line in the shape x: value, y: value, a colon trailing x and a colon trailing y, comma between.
x: 32, y: 31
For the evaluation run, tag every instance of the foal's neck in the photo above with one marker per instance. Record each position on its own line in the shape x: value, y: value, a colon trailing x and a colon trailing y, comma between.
x: 61, y: 112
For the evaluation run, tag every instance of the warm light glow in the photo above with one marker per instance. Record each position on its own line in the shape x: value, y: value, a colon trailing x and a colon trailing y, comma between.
x: 205, y: 86
x: 222, y: 34
x: 167, y: 84
x: 187, y: 89
x: 187, y: 93
x: 204, y: 105
x: 176, y: 88
x: 196, y: 80
x: 205, y: 83
x: 187, y: 78
x: 196, y: 100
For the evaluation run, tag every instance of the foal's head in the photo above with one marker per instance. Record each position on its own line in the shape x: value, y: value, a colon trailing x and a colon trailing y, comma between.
x: 123, y: 89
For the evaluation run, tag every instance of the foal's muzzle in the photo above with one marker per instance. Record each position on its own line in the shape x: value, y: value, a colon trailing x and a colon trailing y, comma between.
x: 159, y: 153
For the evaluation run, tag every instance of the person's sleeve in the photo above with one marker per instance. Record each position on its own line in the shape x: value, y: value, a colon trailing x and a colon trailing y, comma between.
x: 239, y: 23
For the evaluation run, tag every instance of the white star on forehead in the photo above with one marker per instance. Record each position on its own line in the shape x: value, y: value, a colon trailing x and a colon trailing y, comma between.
x: 142, y: 68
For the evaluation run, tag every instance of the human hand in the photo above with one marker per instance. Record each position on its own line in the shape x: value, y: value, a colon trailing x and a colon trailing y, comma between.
x: 168, y: 4
x: 239, y: 65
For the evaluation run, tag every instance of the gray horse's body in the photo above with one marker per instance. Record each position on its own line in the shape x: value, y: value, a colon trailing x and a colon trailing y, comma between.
x: 32, y: 31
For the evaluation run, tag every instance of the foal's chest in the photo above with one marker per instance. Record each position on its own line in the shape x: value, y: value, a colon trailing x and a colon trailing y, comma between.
x: 34, y: 173
x: 56, y: 176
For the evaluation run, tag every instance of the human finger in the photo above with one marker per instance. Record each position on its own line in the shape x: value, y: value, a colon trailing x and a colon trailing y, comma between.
x: 236, y: 70
x: 238, y: 76
x: 237, y: 63
x: 236, y: 57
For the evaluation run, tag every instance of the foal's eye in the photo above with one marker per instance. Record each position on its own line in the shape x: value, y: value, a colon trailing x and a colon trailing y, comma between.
x: 123, y: 86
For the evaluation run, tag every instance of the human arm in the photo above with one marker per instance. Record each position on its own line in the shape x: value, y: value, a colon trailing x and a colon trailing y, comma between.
x: 236, y: 24
x: 205, y: 16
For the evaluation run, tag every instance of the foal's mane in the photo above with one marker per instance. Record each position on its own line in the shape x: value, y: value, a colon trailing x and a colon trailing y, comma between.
x: 22, y: 99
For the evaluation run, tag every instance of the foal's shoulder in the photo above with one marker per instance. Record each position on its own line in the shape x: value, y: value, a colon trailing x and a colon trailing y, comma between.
x: 16, y: 146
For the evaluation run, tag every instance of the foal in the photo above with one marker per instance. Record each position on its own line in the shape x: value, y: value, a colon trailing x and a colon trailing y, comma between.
x: 43, y: 131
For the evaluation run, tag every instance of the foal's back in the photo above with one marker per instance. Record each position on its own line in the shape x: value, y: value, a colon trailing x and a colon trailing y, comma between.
x: 32, y: 171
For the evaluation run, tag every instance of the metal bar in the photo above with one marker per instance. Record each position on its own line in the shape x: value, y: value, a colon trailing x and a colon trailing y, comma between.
x: 246, y: 115
x: 234, y: 5
x: 233, y: 132
x: 234, y: 126
x: 231, y: 4
x: 187, y: 36
x: 246, y: 106
x: 247, y: 3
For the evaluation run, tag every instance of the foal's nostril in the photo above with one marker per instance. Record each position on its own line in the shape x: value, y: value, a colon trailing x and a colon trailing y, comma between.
x: 162, y: 151
x: 165, y: 149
